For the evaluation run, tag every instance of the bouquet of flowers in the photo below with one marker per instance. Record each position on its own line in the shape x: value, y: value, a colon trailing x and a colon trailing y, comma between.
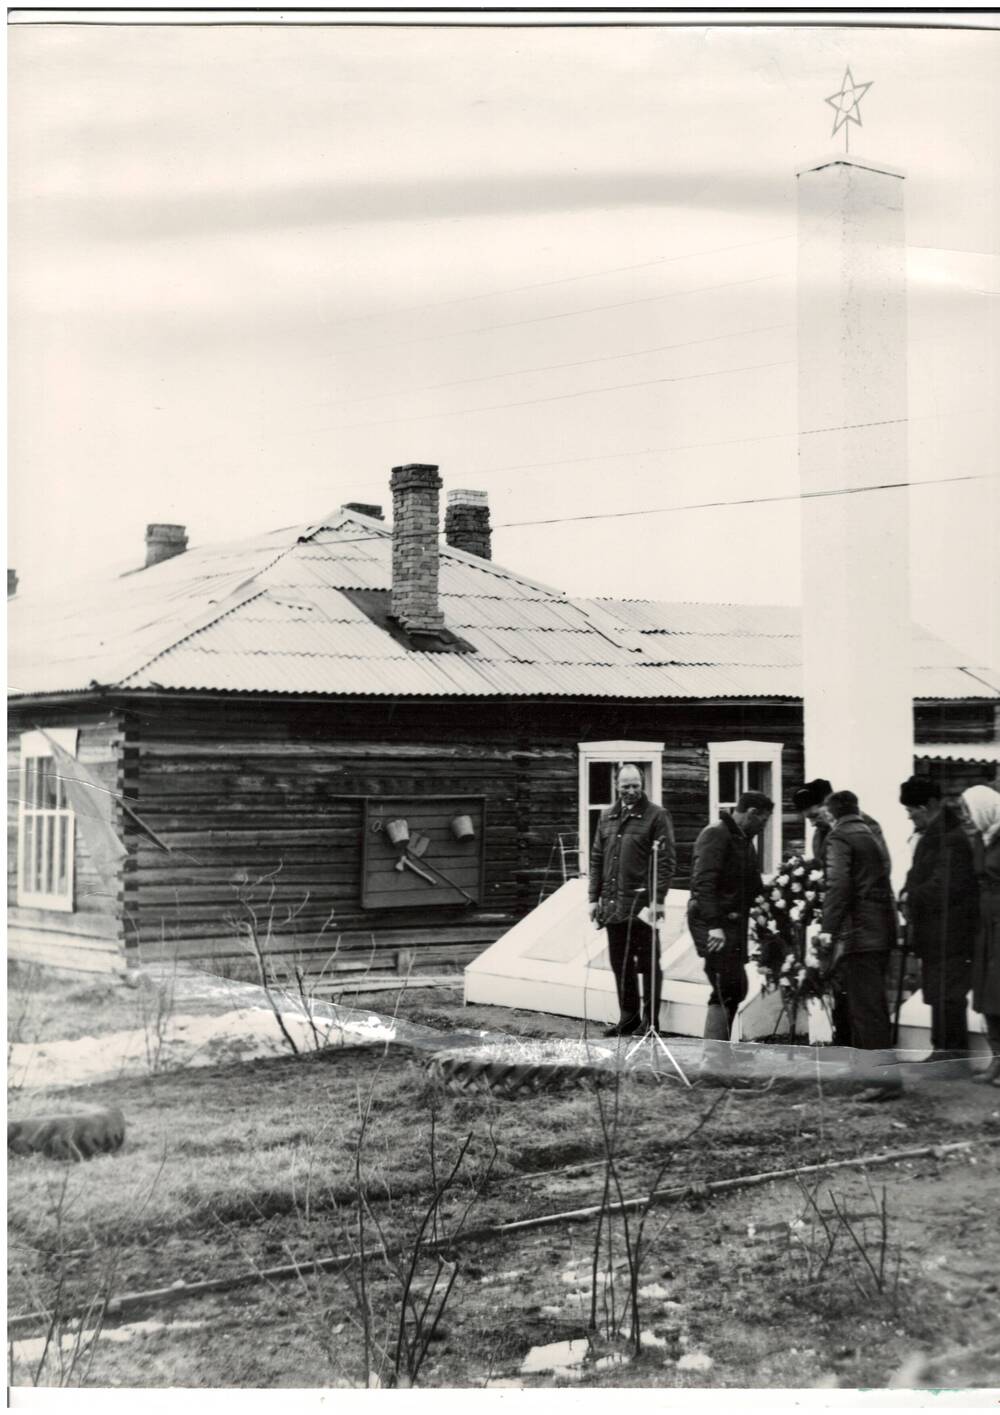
x: 786, y: 952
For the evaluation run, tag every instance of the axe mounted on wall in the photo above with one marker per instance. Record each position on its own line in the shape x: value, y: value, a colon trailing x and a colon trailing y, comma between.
x: 411, y: 851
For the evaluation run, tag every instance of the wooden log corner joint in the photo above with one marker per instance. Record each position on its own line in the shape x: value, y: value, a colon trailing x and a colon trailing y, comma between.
x: 423, y: 852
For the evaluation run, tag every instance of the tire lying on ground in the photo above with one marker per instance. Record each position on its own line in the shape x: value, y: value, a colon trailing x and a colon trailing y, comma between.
x: 68, y: 1137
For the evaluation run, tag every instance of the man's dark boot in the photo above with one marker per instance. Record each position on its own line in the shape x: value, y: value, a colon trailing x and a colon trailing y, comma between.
x: 627, y: 1027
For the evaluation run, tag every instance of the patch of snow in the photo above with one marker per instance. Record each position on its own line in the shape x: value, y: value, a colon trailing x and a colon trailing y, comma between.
x: 695, y: 1361
x: 556, y: 1357
x: 654, y: 1289
x: 29, y: 1351
x: 188, y: 1040
x: 610, y: 1363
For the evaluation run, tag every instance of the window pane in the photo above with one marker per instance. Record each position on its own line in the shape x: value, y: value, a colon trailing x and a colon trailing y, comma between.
x: 759, y: 777
x: 600, y: 783
x: 31, y: 781
x: 730, y: 782
x: 49, y: 886
x: 27, y: 852
x: 62, y: 877
x: 37, y: 856
x: 47, y: 783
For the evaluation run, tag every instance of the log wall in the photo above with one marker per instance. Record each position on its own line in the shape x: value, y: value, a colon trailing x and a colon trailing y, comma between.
x: 262, y: 806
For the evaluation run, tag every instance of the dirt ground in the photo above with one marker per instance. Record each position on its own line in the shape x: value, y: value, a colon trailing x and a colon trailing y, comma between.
x: 241, y: 1165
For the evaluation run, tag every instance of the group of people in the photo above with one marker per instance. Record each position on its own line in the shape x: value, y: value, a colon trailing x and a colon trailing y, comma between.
x: 950, y: 906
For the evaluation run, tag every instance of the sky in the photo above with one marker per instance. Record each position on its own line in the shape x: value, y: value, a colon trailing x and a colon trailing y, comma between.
x: 252, y: 268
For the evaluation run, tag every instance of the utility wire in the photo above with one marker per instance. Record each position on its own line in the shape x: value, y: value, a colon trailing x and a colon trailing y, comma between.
x: 551, y: 397
x: 712, y: 505
x: 746, y: 501
x: 548, y: 284
x: 566, y: 314
x: 663, y: 451
x: 548, y: 368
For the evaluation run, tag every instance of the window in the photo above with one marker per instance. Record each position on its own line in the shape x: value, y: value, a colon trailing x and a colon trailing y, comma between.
x: 45, y: 825
x: 599, y: 762
x: 735, y: 767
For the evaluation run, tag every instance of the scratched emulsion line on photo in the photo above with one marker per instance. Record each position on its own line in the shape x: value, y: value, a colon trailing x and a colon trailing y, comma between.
x: 503, y: 707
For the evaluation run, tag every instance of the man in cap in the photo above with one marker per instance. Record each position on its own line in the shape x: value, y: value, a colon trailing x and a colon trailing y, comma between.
x: 941, y: 904
x: 859, y: 921
x: 811, y: 801
x: 620, y: 869
x: 725, y: 881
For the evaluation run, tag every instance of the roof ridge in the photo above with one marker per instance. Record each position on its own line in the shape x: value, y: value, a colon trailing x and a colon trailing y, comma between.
x: 203, y: 622
x: 218, y: 610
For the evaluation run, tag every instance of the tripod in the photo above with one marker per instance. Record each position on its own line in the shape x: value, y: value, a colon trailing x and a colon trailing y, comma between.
x: 651, y: 1034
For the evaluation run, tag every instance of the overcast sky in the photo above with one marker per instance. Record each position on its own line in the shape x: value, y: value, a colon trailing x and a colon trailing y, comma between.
x: 252, y: 268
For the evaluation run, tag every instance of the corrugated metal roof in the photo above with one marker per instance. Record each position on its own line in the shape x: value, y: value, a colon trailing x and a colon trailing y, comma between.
x: 972, y: 752
x: 268, y: 615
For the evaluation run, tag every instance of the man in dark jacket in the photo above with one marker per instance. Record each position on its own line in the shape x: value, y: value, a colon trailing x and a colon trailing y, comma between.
x: 859, y: 920
x: 941, y: 901
x: 620, y: 869
x: 812, y: 802
x: 725, y: 881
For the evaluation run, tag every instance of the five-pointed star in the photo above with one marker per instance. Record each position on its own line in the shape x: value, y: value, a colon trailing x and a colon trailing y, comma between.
x: 846, y: 101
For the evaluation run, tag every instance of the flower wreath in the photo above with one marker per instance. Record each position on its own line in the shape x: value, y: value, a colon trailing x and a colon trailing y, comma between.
x: 786, y: 952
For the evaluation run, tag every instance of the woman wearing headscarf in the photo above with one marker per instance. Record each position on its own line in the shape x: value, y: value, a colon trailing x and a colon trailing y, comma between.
x: 982, y: 806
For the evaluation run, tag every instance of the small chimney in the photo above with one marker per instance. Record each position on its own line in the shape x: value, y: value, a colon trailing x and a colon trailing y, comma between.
x: 415, y: 554
x: 11, y: 583
x: 364, y: 508
x: 164, y: 542
x: 467, y: 523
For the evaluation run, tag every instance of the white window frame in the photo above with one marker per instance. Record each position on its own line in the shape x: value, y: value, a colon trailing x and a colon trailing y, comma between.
x: 617, y: 752
x: 35, y: 746
x: 743, y: 753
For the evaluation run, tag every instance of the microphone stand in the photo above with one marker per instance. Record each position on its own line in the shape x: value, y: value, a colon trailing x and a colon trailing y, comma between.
x: 651, y: 1034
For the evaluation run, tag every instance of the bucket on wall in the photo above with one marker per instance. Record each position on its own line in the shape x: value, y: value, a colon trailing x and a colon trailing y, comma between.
x: 462, y: 828
x: 398, y: 831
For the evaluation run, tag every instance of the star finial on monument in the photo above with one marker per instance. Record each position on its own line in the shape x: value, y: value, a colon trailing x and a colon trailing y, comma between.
x: 846, y: 105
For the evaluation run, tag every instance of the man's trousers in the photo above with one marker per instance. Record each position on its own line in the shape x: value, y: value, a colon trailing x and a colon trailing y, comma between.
x: 862, y: 977
x: 632, y: 950
x: 945, y: 980
x: 725, y: 968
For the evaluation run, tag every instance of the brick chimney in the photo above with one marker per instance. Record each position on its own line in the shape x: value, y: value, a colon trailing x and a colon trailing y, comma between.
x: 415, y: 555
x: 11, y: 583
x: 365, y: 508
x: 467, y: 522
x: 164, y: 542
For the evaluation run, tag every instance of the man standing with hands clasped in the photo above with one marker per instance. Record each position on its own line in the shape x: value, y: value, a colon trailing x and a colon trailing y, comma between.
x: 620, y: 866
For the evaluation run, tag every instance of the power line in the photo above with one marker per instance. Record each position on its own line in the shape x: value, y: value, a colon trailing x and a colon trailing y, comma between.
x: 551, y: 397
x: 746, y: 501
x: 567, y: 314
x: 710, y: 505
x: 547, y: 284
x: 548, y: 368
x: 676, y: 447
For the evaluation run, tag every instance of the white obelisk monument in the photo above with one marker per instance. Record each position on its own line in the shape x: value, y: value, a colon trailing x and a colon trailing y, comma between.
x: 858, y: 693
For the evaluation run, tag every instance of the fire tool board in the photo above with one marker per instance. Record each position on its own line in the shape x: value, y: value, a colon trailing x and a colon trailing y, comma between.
x: 438, y: 862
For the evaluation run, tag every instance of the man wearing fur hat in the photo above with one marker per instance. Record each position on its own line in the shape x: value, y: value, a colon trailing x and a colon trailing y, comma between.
x: 810, y: 801
x: 941, y: 903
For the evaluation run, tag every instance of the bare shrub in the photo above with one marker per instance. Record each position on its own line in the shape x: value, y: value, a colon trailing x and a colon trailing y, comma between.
x: 841, y: 1248
x: 64, y: 1354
